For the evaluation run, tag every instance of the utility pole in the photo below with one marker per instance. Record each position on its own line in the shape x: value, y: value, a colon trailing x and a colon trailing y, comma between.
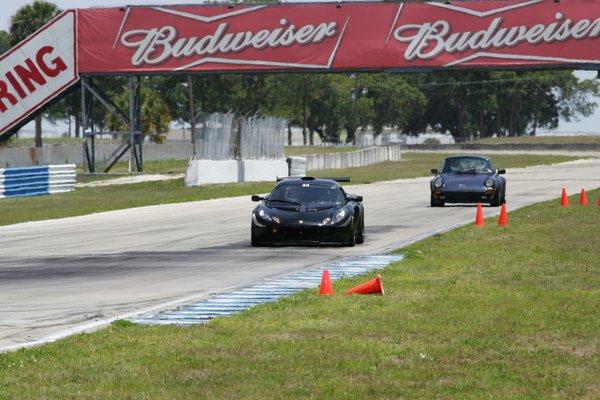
x: 192, y: 113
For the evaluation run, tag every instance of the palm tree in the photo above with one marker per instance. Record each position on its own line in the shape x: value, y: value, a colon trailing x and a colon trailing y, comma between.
x: 26, y: 21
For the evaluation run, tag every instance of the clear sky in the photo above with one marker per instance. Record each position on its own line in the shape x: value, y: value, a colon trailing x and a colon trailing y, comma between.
x: 591, y: 124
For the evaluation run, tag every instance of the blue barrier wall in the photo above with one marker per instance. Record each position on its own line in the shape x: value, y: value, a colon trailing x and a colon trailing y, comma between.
x: 35, y: 181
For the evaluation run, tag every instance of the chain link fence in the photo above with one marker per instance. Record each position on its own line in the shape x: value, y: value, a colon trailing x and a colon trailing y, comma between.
x: 262, y: 138
x: 221, y: 136
x: 213, y: 136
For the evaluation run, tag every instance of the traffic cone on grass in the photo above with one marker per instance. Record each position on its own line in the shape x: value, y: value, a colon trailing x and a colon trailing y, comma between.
x: 374, y: 286
x: 564, y: 200
x: 583, y: 198
x: 598, y: 201
x: 503, y: 220
x: 326, y: 288
x: 479, y: 221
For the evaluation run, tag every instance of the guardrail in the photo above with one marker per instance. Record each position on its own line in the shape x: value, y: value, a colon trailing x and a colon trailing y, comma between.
x: 36, y: 181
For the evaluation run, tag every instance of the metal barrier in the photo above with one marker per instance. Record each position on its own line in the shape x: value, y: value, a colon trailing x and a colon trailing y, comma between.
x: 35, y: 181
x: 360, y: 158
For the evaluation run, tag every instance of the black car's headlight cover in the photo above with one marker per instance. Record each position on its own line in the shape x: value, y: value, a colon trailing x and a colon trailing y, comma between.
x: 262, y: 216
x: 438, y: 183
x: 489, y: 182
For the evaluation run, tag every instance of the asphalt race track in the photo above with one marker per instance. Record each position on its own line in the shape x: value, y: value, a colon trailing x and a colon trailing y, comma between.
x: 60, y: 276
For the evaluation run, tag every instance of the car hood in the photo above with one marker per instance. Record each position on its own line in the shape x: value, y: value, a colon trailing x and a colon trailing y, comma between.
x: 454, y: 181
x: 309, y: 215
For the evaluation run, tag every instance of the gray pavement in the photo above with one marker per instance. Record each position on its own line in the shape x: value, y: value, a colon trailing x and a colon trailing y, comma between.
x: 62, y: 276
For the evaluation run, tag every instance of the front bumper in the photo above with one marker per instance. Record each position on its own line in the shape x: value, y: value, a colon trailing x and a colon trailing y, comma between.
x: 302, y: 234
x: 472, y: 196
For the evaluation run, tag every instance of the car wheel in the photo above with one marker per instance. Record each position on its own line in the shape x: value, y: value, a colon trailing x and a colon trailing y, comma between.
x: 360, y: 237
x: 495, y: 202
x: 435, y: 202
x: 253, y: 241
x: 352, y: 238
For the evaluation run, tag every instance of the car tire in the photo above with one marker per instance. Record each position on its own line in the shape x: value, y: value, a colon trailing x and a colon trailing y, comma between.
x: 495, y: 202
x: 352, y: 237
x: 435, y: 202
x: 360, y: 238
x: 253, y: 241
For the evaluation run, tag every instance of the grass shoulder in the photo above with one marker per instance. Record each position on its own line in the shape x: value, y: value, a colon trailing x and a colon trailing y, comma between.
x: 472, y: 313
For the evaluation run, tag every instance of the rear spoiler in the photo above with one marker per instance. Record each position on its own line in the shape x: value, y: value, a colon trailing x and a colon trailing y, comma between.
x: 310, y: 178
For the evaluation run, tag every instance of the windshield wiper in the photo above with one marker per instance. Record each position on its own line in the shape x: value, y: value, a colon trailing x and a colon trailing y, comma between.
x: 284, y: 202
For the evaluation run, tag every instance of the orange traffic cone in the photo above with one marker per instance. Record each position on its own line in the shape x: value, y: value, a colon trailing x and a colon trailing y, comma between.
x: 326, y: 288
x: 374, y: 286
x: 503, y: 220
x: 583, y: 198
x: 479, y: 221
x: 564, y: 200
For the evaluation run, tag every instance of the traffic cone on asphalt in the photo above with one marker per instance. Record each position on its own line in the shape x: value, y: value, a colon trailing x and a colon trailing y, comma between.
x: 564, y: 200
x: 326, y: 288
x: 583, y: 198
x: 479, y: 221
x: 374, y: 286
x: 503, y: 220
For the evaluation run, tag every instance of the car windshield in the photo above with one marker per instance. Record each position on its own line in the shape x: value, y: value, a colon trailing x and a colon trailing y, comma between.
x: 307, y: 194
x: 467, y: 164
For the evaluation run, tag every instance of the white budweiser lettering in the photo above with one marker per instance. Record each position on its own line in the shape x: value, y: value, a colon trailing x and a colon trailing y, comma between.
x: 429, y: 40
x: 158, y: 45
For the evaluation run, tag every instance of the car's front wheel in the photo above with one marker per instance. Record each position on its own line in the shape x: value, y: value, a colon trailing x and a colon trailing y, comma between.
x: 253, y: 241
x: 360, y: 236
x: 351, y: 237
x: 495, y: 202
x: 435, y: 202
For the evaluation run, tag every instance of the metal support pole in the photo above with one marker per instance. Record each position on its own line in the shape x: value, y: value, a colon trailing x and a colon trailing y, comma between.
x: 192, y: 114
x: 132, y: 119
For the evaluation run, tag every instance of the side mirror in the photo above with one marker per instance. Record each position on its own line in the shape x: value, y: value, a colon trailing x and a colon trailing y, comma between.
x: 434, y: 171
x: 501, y: 171
x: 357, y: 199
x: 256, y: 197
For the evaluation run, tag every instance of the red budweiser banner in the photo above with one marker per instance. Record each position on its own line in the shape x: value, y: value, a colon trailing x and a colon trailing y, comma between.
x: 327, y: 36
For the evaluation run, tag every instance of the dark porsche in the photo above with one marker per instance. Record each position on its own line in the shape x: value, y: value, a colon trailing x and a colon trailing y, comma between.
x: 308, y: 210
x: 468, y: 179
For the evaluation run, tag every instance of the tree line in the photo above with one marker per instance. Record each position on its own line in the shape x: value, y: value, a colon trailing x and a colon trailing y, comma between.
x: 464, y: 103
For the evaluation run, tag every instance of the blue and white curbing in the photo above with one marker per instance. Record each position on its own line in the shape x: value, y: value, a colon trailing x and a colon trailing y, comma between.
x: 232, y: 302
x: 36, y: 181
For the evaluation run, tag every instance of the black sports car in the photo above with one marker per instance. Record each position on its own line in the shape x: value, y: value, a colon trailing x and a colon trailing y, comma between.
x: 308, y: 210
x: 468, y: 179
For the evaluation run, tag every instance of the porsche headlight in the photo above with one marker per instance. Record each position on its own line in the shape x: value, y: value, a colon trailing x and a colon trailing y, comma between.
x: 437, y: 183
x: 489, y: 182
x: 340, y: 215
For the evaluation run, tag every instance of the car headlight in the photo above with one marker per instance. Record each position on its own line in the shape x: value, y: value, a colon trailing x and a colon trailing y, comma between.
x: 437, y: 183
x: 340, y: 215
x: 326, y: 221
x: 489, y: 182
x: 264, y: 215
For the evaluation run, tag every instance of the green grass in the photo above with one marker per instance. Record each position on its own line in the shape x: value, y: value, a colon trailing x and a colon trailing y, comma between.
x: 50, y: 141
x: 497, y: 313
x: 303, y: 150
x: 541, y: 140
x: 89, y: 200
x: 150, y: 167
x: 420, y: 164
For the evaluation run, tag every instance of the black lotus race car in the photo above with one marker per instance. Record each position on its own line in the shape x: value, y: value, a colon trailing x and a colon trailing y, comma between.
x: 308, y: 210
x: 468, y: 179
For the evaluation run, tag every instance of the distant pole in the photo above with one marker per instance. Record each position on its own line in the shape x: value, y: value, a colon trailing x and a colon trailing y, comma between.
x: 192, y: 113
x: 131, y: 125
